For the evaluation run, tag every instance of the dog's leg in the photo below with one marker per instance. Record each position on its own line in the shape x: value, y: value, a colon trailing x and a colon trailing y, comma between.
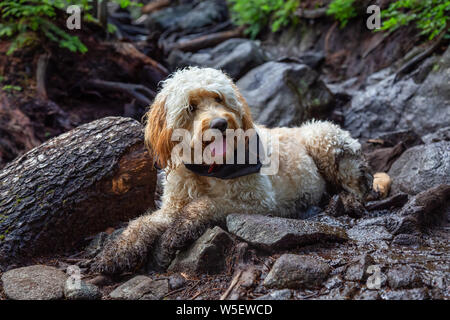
x: 187, y: 227
x: 338, y: 157
x: 129, y: 250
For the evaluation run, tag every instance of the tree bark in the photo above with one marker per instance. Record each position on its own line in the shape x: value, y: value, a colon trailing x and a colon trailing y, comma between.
x: 72, y: 186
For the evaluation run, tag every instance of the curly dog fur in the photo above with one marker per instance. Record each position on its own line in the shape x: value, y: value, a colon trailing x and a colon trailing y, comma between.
x: 311, y: 157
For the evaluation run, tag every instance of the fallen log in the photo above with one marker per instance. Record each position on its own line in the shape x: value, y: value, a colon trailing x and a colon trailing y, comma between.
x: 154, y: 6
x: 206, y: 41
x: 77, y: 184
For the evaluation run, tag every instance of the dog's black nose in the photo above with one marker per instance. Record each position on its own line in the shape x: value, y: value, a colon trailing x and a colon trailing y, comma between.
x: 219, y: 124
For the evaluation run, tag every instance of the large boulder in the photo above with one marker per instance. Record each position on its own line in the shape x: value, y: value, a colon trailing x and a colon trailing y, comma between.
x: 409, y: 103
x: 235, y: 56
x: 285, y: 94
x: 421, y: 168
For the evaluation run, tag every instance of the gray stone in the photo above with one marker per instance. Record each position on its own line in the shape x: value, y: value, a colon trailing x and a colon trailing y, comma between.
x: 274, y: 233
x: 403, y: 277
x: 438, y: 136
x: 284, y: 294
x: 235, y: 56
x: 285, y: 94
x: 368, y: 233
x: 411, y: 294
x: 297, y: 271
x: 388, y: 105
x: 367, y: 295
x: 407, y: 240
x: 176, y: 281
x: 159, y: 288
x: 36, y: 282
x: 188, y: 17
x: 141, y: 287
x: 357, y: 270
x: 74, y: 290
x: 206, y: 255
x: 421, y: 168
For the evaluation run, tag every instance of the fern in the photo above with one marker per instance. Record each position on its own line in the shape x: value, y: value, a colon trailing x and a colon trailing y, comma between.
x: 342, y: 11
x: 256, y: 14
x: 27, y: 22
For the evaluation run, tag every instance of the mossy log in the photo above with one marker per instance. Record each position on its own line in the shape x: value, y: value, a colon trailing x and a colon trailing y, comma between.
x: 74, y: 185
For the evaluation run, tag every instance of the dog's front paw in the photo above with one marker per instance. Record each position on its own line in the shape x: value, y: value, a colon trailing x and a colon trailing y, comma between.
x: 114, y: 260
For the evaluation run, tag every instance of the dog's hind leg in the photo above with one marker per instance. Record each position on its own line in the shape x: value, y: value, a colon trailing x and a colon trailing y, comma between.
x: 337, y: 156
x: 129, y: 250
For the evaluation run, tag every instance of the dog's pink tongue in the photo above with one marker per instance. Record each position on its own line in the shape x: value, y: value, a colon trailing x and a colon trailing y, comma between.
x: 219, y: 147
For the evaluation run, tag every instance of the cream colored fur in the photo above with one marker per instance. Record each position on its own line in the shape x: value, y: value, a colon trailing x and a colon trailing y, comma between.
x: 311, y: 157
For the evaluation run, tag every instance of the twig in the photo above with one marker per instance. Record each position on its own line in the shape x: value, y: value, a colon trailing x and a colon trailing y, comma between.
x: 206, y: 41
x: 234, y: 282
x: 41, y: 76
x: 311, y: 13
x: 141, y: 93
x: 155, y: 6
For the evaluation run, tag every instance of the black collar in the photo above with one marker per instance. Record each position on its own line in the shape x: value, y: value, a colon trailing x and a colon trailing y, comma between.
x: 229, y: 171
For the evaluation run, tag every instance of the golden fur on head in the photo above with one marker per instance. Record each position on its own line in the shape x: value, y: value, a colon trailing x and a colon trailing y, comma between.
x: 192, y: 95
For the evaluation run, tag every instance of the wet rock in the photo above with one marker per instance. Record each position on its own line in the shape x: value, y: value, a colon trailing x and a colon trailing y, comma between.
x: 421, y: 168
x: 176, y: 281
x: 284, y: 294
x: 440, y: 135
x: 80, y: 290
x: 403, y: 277
x: 296, y: 271
x: 388, y: 105
x: 140, y: 287
x: 368, y: 233
x: 411, y: 294
x: 206, y: 255
x: 345, y: 204
x: 274, y: 233
x: 235, y: 56
x: 407, y: 240
x: 367, y: 295
x: 159, y: 288
x: 37, y: 282
x: 291, y: 94
x: 357, y: 270
x: 188, y: 17
x: 393, y: 202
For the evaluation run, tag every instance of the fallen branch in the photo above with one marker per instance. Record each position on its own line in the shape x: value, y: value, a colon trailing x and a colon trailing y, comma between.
x: 207, y: 41
x: 311, y: 13
x: 41, y: 76
x: 155, y: 6
x: 139, y: 92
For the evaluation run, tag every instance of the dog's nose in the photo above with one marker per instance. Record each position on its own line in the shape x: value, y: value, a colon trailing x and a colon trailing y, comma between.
x: 219, y: 124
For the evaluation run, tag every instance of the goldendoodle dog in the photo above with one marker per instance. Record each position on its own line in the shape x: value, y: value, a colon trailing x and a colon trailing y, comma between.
x: 304, y: 162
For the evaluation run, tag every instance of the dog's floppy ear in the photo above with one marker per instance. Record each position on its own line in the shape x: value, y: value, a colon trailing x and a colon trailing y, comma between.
x: 157, y: 135
x: 247, y: 121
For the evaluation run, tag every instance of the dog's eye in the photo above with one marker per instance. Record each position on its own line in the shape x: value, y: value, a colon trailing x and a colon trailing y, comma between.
x: 192, y: 107
x: 219, y: 100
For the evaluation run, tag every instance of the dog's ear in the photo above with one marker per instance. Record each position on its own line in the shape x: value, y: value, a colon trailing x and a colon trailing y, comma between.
x: 247, y: 121
x: 157, y: 135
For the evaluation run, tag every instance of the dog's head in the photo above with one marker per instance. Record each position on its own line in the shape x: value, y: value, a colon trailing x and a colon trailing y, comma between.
x: 194, y: 99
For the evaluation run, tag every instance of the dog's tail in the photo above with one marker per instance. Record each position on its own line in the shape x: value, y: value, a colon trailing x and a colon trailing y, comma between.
x: 337, y: 156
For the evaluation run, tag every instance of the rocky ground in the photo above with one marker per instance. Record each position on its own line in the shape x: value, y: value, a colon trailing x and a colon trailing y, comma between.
x: 395, y: 247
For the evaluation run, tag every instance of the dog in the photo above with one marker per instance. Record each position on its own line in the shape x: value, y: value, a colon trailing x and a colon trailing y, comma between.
x: 310, y: 158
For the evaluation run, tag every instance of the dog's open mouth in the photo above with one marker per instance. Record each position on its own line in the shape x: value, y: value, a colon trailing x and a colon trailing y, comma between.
x: 218, y: 148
